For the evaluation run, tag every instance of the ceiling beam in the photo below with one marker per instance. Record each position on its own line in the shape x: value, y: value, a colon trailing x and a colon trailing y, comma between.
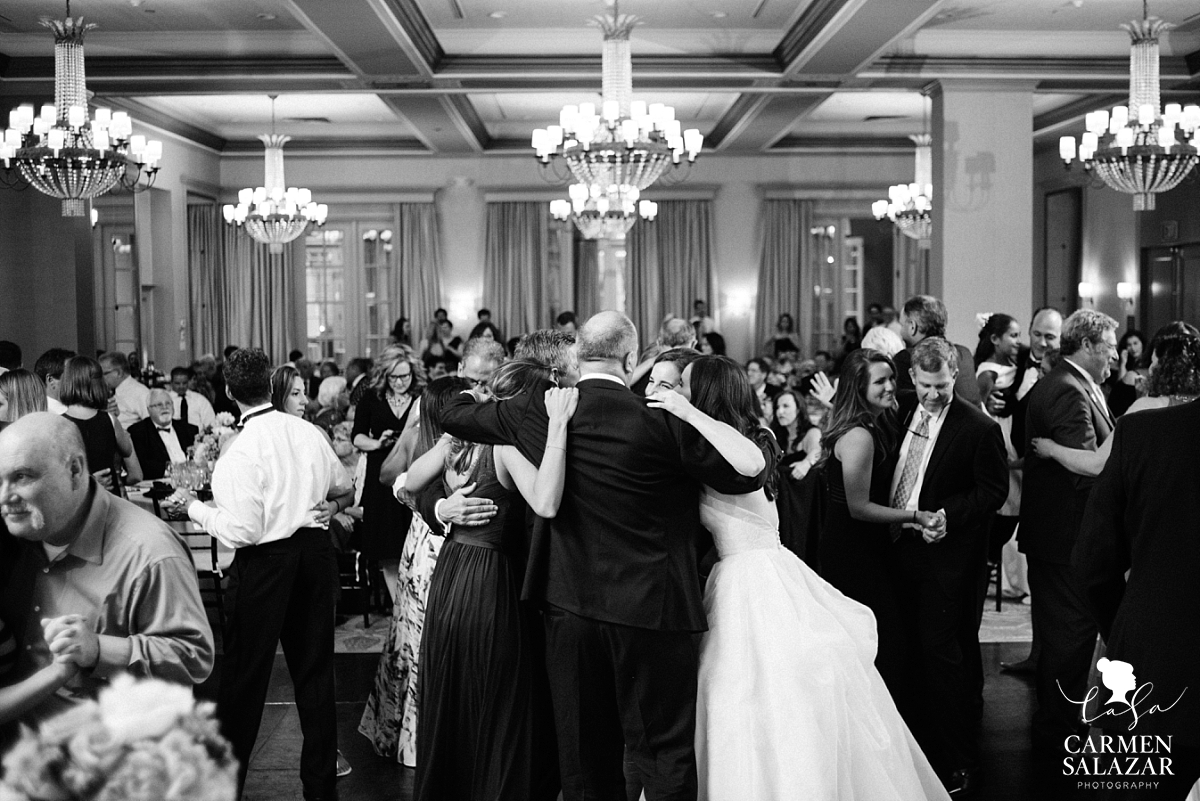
x: 852, y: 34
x: 1070, y: 113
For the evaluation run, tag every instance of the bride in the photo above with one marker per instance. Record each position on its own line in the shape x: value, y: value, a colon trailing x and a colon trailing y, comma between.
x: 789, y: 702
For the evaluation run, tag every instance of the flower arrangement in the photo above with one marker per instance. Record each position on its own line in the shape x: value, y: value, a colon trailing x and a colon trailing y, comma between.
x: 211, y: 442
x: 143, y: 740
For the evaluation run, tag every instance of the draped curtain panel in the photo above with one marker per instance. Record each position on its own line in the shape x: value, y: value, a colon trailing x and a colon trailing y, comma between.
x: 515, y: 266
x: 910, y: 262
x: 587, y: 279
x: 785, y: 271
x: 668, y: 264
x: 241, y: 293
x: 418, y: 263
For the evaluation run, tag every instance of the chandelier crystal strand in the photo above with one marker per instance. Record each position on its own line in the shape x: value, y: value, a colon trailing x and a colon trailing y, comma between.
x: 1143, y: 148
x: 63, y: 155
x: 271, y: 213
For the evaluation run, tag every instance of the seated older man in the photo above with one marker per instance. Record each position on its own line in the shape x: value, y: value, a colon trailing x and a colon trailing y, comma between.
x: 115, y: 584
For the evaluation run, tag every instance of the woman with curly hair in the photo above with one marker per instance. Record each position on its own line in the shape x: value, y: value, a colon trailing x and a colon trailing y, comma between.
x: 1174, y: 380
x: 397, y: 379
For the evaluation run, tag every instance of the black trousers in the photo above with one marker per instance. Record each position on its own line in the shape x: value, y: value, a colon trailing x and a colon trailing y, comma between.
x: 615, y: 687
x: 1067, y: 635
x: 939, y: 614
x: 282, y: 592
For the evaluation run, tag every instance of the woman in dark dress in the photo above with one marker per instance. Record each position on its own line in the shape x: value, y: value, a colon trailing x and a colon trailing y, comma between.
x: 476, y: 723
x: 396, y: 382
x: 855, y: 538
x: 797, y: 494
x: 83, y: 391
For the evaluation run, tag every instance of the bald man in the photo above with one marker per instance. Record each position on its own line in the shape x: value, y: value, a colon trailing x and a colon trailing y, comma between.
x: 119, y: 582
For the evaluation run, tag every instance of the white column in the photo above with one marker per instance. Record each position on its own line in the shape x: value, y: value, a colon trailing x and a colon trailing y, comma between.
x: 982, y: 255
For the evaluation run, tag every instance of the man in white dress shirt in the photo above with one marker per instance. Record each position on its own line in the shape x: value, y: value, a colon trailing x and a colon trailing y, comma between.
x: 129, y: 396
x: 268, y: 489
x: 189, y: 405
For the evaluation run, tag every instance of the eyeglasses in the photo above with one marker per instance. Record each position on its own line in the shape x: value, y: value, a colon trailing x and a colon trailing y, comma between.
x: 161, y: 406
x: 399, y: 376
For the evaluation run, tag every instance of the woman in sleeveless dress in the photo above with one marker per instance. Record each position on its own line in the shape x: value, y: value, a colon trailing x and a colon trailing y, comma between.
x: 475, y: 725
x: 108, y: 447
x: 996, y: 372
x: 789, y: 705
x: 389, y: 720
x: 397, y: 379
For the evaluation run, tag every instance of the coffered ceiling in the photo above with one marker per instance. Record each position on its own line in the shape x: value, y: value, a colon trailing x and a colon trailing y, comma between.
x: 477, y: 76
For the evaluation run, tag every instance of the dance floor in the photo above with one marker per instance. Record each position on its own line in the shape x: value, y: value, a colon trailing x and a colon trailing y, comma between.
x: 1009, y: 772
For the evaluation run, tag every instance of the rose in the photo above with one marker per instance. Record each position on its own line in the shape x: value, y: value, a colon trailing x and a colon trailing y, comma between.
x: 134, y: 710
x: 224, y: 419
x: 29, y: 770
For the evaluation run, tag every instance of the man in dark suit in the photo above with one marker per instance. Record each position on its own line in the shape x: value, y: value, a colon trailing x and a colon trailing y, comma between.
x: 952, y: 459
x: 925, y: 316
x: 1068, y: 407
x: 1044, y: 331
x: 158, y: 440
x: 622, y: 602
x: 1141, y: 517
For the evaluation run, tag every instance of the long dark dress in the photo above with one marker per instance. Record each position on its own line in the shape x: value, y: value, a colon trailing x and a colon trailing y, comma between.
x: 100, y: 445
x: 856, y: 558
x: 475, y: 724
x: 385, y: 520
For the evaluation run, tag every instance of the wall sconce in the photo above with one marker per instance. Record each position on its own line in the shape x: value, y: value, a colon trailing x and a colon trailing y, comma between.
x: 1126, y: 291
x: 462, y: 306
x: 95, y: 216
x: 1087, y: 292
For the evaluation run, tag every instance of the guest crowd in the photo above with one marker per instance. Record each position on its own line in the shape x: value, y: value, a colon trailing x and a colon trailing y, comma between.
x: 593, y: 550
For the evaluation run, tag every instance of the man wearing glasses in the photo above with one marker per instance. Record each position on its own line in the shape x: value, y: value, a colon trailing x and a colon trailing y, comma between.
x: 1068, y: 407
x: 481, y: 357
x: 129, y: 396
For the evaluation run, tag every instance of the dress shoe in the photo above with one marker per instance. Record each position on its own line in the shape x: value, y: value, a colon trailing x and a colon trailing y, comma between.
x: 963, y: 783
x: 1024, y: 666
x: 343, y: 765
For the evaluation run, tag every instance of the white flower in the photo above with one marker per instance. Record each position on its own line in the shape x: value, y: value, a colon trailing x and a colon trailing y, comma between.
x: 136, y: 710
x: 224, y: 419
x: 981, y: 319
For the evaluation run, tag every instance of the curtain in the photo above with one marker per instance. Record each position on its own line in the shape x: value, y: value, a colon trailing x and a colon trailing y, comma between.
x: 418, y: 264
x: 785, y: 272
x: 668, y: 264
x: 241, y: 293
x: 515, y: 266
x: 910, y: 266
x: 212, y: 296
x: 587, y: 279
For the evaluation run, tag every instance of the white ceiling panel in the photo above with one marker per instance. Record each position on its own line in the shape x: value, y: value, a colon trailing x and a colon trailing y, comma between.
x: 321, y: 116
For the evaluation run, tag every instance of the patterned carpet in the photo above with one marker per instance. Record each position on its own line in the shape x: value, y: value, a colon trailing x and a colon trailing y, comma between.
x: 351, y: 638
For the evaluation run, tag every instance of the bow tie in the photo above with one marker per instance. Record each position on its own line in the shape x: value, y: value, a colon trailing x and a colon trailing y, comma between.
x: 163, y: 428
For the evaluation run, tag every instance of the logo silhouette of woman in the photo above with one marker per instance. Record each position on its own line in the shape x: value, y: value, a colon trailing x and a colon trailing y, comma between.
x: 1118, y: 677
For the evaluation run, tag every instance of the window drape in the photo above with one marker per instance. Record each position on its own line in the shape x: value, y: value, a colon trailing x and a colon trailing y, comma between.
x: 785, y: 271
x: 587, y: 279
x: 668, y: 264
x: 515, y: 266
x: 418, y: 263
x: 242, y: 294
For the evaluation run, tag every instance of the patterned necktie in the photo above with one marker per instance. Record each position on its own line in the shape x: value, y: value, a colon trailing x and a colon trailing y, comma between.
x: 912, y: 466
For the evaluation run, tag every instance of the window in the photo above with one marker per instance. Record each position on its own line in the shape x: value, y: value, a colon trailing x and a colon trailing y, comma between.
x: 325, y: 291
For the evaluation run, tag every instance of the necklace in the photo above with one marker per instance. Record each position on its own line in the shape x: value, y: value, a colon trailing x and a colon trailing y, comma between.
x: 399, y: 403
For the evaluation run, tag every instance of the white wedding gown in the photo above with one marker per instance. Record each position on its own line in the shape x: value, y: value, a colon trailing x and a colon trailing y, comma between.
x: 790, y: 705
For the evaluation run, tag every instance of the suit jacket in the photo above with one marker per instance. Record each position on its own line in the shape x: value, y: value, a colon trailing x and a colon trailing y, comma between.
x: 965, y: 386
x: 623, y: 546
x: 1053, y: 498
x: 1141, y: 517
x: 1020, y: 407
x: 967, y: 475
x: 149, y: 447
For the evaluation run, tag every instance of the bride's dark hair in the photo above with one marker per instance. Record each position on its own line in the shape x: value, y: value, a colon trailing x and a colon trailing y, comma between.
x: 721, y: 389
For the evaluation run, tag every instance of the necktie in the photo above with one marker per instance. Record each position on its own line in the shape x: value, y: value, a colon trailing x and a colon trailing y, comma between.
x: 912, y: 467
x: 167, y: 429
x: 183, y: 409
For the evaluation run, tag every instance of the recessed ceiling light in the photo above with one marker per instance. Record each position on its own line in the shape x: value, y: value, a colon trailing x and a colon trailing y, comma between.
x: 719, y: 15
x: 498, y: 14
x: 266, y: 17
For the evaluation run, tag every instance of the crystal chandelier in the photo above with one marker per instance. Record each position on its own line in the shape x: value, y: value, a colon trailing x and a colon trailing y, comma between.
x: 604, y: 214
x: 909, y: 205
x: 59, y: 151
x: 1135, y: 149
x: 628, y: 143
x: 270, y: 213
